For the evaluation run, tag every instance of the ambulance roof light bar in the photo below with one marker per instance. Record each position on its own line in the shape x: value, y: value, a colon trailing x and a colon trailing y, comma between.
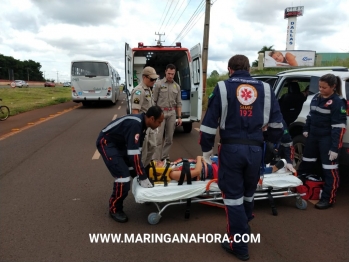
x: 140, y: 44
x: 178, y: 44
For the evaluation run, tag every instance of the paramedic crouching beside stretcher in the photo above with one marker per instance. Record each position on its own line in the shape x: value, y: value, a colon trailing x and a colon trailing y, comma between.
x: 119, y: 144
x: 324, y: 129
x: 240, y: 106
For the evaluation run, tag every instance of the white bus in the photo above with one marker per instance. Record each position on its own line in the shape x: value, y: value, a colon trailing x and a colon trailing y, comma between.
x: 93, y: 81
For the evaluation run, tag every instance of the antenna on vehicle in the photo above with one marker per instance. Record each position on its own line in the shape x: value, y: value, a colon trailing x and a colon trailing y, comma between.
x: 158, y: 42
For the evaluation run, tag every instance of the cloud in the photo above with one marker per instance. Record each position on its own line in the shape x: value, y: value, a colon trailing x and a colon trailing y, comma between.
x: 79, y: 12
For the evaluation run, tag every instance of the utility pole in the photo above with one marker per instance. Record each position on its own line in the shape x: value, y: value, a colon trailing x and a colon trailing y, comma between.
x: 57, y: 77
x: 159, y: 41
x: 205, y: 45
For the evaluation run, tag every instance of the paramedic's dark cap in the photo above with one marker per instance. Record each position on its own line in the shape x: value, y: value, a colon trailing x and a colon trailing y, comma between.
x: 149, y: 71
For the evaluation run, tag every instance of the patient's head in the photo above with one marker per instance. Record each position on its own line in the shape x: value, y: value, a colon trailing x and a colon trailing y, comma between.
x: 159, y: 163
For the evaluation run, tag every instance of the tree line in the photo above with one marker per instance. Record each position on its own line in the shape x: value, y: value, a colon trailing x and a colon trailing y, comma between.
x: 13, y: 69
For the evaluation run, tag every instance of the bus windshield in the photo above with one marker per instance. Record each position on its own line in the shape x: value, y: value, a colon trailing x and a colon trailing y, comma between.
x: 89, y: 69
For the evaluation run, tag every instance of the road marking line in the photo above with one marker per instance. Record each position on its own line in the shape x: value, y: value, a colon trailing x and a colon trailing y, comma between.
x: 119, y: 107
x: 41, y: 120
x: 97, y: 155
x: 197, y: 129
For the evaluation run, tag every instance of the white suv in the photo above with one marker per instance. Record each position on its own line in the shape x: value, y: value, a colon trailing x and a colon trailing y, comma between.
x: 306, y: 78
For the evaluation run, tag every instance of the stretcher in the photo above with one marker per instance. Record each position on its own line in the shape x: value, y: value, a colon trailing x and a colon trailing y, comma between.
x: 276, y: 185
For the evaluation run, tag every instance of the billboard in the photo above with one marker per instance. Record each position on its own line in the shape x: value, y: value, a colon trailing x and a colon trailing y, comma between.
x: 289, y: 58
x: 294, y: 11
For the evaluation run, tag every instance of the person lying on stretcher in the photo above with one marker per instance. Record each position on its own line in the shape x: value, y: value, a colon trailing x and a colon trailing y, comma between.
x: 199, y: 169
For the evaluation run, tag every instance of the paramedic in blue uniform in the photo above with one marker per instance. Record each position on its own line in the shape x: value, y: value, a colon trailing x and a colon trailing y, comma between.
x: 119, y: 144
x: 324, y: 129
x: 240, y: 106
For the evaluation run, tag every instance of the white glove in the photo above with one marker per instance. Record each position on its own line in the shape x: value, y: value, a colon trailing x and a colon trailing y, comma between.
x: 145, y: 183
x: 305, y: 134
x: 290, y: 167
x: 206, y: 156
x: 332, y: 155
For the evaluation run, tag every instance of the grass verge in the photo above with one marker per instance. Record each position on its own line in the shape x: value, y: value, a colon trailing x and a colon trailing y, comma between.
x: 21, y: 100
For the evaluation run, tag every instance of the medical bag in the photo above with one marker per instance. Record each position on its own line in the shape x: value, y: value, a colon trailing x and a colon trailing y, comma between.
x: 312, y: 189
x: 160, y: 175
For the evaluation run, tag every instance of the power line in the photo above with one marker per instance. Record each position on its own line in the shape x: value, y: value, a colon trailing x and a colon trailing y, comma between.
x: 198, y: 18
x: 190, y: 20
x: 164, y: 11
x: 174, y: 9
x: 166, y: 15
x: 180, y: 16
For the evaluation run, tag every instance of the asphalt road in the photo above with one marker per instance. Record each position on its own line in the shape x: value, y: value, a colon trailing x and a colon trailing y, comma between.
x: 54, y: 192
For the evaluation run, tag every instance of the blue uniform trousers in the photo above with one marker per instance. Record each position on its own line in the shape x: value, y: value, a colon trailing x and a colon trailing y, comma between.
x: 319, y: 146
x: 119, y: 169
x: 238, y: 176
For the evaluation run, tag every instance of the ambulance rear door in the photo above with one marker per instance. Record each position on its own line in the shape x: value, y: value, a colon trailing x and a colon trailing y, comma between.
x: 196, y: 84
x: 128, y: 76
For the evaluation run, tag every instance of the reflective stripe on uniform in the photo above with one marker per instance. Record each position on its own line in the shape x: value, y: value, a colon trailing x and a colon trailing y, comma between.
x: 233, y: 202
x: 287, y: 144
x: 133, y: 152
x: 309, y: 159
x: 339, y: 125
x: 321, y: 110
x: 249, y: 199
x: 275, y: 125
x: 208, y: 130
x: 122, y: 179
x: 130, y: 168
x: 267, y: 104
x: 119, y: 121
x: 330, y: 166
x: 224, y: 103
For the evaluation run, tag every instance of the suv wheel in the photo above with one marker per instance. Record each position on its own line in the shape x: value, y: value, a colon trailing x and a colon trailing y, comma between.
x: 298, y: 144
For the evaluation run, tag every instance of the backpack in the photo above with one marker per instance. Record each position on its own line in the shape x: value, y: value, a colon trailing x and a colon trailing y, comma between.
x: 312, y: 189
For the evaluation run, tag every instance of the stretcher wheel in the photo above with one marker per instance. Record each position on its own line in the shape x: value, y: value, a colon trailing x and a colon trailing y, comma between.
x: 301, y: 203
x: 153, y: 218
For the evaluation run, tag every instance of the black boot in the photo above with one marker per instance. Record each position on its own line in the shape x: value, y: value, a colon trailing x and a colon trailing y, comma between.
x: 323, y: 204
x: 120, y: 216
x: 227, y: 248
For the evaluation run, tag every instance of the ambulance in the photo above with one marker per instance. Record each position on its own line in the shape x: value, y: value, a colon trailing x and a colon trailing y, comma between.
x: 188, y: 74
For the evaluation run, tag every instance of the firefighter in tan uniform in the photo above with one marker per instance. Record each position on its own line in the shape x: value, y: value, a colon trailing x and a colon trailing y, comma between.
x: 142, y: 99
x: 167, y: 95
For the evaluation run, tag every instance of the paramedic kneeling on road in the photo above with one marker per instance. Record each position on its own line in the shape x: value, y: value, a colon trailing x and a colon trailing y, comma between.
x: 240, y: 106
x: 119, y: 143
x: 324, y: 129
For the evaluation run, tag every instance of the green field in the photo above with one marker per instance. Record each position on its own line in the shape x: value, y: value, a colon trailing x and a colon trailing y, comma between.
x: 21, y: 100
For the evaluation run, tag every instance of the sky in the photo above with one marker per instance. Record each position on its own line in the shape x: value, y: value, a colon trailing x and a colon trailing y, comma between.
x: 55, y: 32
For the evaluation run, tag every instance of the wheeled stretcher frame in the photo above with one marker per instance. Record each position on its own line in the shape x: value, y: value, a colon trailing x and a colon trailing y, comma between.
x: 207, y: 192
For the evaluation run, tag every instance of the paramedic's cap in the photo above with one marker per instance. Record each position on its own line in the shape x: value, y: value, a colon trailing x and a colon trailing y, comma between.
x: 149, y: 71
